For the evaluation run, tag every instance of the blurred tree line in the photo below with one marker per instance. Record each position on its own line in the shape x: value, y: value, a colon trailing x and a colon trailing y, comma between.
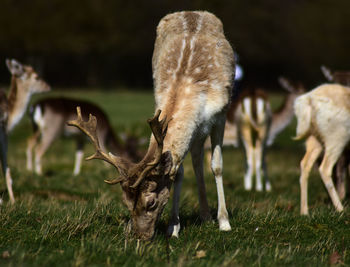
x: 110, y: 42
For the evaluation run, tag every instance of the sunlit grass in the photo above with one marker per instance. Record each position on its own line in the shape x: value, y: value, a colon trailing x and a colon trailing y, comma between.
x: 61, y: 220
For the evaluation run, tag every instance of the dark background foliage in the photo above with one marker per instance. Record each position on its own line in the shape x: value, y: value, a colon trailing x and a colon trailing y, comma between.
x: 89, y: 43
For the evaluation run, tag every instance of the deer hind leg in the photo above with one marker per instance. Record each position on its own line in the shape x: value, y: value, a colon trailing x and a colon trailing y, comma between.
x: 258, y: 151
x: 249, y: 151
x: 260, y: 161
x: 341, y: 175
x: 268, y: 186
x: 79, y: 154
x: 31, y: 143
x: 197, y: 163
x: 313, y: 151
x: 330, y: 158
x: 174, y: 224
x: 216, y: 166
x: 260, y: 167
x: 48, y: 135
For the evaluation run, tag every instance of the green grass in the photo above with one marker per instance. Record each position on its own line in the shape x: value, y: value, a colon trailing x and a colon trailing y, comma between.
x: 61, y: 220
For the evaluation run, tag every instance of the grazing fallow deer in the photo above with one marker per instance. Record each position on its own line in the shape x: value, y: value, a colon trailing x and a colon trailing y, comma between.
x: 251, y: 119
x: 323, y: 116
x: 49, y: 116
x: 193, y: 71
x: 24, y: 82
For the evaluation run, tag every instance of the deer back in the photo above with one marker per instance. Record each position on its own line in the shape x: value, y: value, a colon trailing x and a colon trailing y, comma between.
x: 191, y: 51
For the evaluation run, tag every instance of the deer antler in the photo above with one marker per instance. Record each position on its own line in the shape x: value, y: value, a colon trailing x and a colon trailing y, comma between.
x: 159, y: 130
x: 89, y: 128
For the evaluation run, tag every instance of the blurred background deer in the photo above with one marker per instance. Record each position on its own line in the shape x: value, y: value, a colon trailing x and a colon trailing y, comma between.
x: 24, y: 82
x: 50, y: 116
x: 250, y: 119
x: 323, y: 116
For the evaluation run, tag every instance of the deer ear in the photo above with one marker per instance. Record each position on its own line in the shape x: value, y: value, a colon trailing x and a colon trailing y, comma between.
x: 15, y: 67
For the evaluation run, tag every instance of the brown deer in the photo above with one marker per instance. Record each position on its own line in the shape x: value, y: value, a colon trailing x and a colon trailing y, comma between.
x: 49, y: 116
x: 24, y: 82
x: 193, y: 72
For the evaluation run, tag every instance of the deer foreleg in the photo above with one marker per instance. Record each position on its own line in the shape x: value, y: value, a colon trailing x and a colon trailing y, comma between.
x: 5, y: 169
x: 268, y: 186
x: 174, y: 224
x: 48, y: 135
x: 216, y: 166
x: 258, y: 150
x: 197, y: 163
x: 249, y: 151
x: 31, y: 143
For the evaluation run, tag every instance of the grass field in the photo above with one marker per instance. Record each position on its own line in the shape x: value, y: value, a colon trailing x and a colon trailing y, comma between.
x: 61, y: 220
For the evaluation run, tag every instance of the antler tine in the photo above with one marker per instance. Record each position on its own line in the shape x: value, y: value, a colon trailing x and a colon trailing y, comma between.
x: 142, y: 176
x: 158, y: 127
x: 89, y: 128
x: 115, y: 181
x: 159, y: 130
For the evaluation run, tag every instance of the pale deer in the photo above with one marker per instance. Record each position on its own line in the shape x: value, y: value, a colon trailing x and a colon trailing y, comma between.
x: 24, y: 82
x: 193, y: 72
x: 342, y: 166
x: 323, y: 116
x: 250, y: 119
x: 49, y: 117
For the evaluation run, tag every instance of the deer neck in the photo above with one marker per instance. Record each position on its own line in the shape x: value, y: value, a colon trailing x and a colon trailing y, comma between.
x: 282, y: 117
x: 17, y: 102
x: 182, y: 127
x: 285, y: 112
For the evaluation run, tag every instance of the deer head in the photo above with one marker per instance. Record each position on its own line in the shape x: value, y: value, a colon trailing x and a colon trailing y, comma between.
x: 146, y: 184
x: 26, y: 77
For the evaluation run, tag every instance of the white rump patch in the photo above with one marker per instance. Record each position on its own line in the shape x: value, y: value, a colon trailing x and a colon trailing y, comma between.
x: 247, y: 107
x: 38, y: 117
x: 260, y: 106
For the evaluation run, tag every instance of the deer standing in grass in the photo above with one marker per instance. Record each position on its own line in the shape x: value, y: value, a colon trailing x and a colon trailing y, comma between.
x: 251, y: 119
x: 323, y: 116
x: 342, y: 166
x: 193, y: 72
x: 49, y: 116
x: 24, y: 82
